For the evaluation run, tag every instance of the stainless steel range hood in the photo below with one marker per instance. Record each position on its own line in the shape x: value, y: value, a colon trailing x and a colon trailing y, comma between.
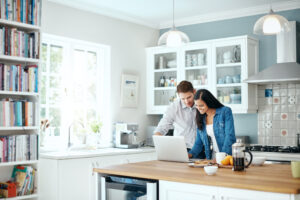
x: 287, y: 69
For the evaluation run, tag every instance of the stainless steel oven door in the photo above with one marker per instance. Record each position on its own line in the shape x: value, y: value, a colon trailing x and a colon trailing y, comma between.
x: 124, y: 188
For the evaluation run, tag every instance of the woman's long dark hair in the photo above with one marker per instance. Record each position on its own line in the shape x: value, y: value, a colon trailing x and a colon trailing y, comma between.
x: 210, y: 101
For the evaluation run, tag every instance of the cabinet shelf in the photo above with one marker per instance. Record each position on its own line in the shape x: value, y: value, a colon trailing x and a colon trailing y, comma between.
x: 15, y: 128
x: 165, y: 88
x: 24, y: 26
x: 229, y: 64
x: 229, y: 85
x: 200, y: 86
x: 31, y: 196
x: 18, y: 59
x: 25, y: 162
x: 19, y: 93
x: 196, y: 67
x: 166, y: 70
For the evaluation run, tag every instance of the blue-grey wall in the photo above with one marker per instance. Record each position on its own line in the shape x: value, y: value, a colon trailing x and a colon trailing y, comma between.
x: 245, y: 124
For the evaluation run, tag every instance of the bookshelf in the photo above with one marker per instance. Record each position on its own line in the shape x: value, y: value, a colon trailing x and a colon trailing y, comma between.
x: 19, y: 90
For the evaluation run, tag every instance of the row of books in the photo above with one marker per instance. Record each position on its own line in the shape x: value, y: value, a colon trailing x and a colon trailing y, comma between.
x: 18, y: 148
x: 25, y: 178
x: 18, y: 113
x: 19, y: 78
x: 25, y: 11
x: 14, y: 42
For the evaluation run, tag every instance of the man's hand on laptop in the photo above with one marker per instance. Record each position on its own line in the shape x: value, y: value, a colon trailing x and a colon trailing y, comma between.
x: 158, y: 133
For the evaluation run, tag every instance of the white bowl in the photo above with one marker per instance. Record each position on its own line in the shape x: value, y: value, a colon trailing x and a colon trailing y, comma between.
x: 258, y: 160
x: 210, y: 170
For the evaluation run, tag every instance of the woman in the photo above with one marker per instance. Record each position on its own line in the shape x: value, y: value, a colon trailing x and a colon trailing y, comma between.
x: 214, y: 120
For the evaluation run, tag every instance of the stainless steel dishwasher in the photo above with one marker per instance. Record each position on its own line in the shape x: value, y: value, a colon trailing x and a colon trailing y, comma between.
x: 126, y: 188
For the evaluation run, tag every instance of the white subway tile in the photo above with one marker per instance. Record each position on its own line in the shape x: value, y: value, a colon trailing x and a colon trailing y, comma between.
x: 276, y: 132
x: 276, y: 108
x: 276, y: 116
x: 291, y: 91
x: 291, y: 85
x: 261, y: 93
x: 292, y: 124
x: 283, y: 124
x: 276, y: 141
x: 283, y: 92
x: 276, y: 92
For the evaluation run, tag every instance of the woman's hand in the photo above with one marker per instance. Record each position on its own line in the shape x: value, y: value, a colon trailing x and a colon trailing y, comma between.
x: 190, y: 155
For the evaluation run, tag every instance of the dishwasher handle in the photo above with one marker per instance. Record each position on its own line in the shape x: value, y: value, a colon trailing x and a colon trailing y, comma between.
x: 151, y: 188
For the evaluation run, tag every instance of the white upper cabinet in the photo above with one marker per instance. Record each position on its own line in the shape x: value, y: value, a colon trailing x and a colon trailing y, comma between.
x: 217, y: 65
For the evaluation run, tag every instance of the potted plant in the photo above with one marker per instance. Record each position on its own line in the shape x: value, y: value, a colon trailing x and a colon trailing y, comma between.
x: 93, y: 138
x: 96, y: 126
x: 45, y: 123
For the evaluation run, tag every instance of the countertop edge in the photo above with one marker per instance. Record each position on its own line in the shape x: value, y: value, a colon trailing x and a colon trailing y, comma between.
x: 96, y: 153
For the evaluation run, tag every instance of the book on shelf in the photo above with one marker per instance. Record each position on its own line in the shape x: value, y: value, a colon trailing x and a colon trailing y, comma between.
x: 15, y: 42
x: 18, y: 113
x: 16, y: 148
x: 19, y: 78
x: 25, y: 178
x: 24, y: 11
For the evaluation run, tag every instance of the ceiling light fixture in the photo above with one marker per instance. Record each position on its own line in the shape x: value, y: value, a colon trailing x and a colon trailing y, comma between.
x: 271, y: 24
x: 174, y: 37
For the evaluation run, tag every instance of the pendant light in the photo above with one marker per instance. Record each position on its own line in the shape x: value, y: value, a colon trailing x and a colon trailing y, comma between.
x: 271, y: 24
x: 174, y: 37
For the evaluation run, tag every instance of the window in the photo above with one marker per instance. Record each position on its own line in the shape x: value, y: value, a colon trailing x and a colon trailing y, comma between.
x: 72, y: 86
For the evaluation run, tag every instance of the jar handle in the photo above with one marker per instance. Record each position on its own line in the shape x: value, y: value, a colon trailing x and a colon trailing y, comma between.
x: 251, y: 156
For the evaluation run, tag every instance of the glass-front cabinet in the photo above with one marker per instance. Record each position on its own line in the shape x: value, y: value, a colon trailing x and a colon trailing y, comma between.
x: 217, y: 65
x: 234, y: 59
x: 197, y: 64
x: 162, y: 78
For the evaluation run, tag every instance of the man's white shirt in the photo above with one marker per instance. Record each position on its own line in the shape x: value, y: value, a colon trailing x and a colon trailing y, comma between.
x: 182, y: 119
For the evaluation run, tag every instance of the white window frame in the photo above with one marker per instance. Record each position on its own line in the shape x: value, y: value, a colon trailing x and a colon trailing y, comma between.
x: 104, y: 53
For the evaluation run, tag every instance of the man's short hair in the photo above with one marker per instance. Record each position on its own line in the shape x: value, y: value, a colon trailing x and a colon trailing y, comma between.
x: 184, y: 87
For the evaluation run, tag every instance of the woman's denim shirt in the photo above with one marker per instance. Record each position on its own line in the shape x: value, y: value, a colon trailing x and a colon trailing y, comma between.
x: 224, y: 132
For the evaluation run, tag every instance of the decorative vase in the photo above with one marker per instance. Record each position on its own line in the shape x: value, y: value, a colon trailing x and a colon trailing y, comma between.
x: 92, y: 141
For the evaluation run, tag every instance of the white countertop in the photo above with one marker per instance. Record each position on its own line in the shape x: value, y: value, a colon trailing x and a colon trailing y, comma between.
x: 86, y: 153
x: 277, y: 155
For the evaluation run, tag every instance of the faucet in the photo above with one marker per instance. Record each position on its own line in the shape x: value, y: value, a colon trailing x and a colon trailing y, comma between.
x: 69, y: 132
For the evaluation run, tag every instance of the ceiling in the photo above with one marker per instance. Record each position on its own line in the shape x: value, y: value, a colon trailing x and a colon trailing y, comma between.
x: 158, y: 13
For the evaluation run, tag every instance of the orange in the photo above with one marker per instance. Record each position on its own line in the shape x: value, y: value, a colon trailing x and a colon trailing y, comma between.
x: 231, y: 161
x: 226, y: 160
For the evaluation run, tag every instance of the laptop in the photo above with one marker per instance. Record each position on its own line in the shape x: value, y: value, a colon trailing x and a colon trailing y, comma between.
x: 171, y: 148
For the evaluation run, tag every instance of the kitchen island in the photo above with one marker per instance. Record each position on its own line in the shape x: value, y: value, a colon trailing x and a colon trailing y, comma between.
x: 179, y: 181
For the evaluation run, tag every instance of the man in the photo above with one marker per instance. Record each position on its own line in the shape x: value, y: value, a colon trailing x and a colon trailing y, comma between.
x: 181, y: 115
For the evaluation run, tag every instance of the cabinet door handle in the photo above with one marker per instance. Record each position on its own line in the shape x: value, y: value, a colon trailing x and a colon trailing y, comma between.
x: 97, y: 164
x: 213, y: 197
x: 222, y: 198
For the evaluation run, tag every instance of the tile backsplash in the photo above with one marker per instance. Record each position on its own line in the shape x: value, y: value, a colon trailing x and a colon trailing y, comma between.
x: 278, y: 114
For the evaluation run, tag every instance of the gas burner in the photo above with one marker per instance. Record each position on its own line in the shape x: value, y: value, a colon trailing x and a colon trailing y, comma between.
x: 282, y: 149
x: 289, y: 149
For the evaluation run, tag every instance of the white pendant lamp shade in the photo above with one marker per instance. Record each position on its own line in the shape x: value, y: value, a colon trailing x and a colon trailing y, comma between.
x: 271, y: 24
x: 173, y: 38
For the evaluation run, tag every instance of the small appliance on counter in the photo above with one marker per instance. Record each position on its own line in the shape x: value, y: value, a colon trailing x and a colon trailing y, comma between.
x: 126, y: 135
x: 244, y: 139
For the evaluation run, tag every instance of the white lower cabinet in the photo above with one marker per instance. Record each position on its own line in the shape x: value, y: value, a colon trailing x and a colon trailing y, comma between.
x: 113, y: 160
x: 179, y: 191
x: 73, y: 179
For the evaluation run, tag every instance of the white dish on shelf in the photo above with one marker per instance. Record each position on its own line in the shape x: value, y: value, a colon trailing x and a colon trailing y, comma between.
x: 172, y: 64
